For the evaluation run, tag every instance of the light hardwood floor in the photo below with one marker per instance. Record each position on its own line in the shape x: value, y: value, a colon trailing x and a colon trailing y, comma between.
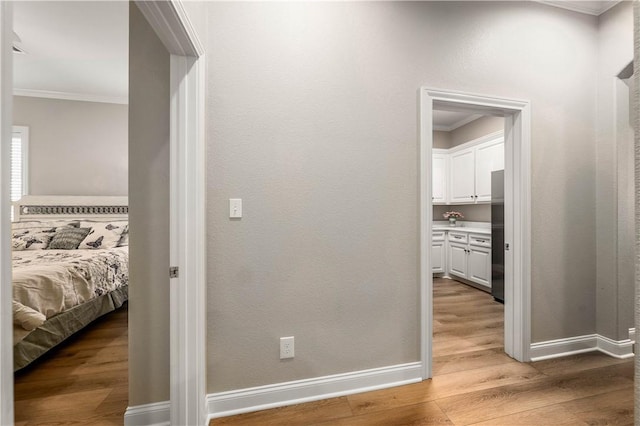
x: 476, y: 383
x: 82, y: 382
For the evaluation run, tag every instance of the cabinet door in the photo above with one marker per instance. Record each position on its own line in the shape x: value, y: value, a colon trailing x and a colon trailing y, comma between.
x: 489, y: 158
x: 439, y: 190
x: 462, y: 176
x: 479, y: 265
x: 457, y: 259
x: 437, y: 257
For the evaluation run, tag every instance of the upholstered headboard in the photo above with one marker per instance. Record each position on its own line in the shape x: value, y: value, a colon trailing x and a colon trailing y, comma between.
x: 39, y: 207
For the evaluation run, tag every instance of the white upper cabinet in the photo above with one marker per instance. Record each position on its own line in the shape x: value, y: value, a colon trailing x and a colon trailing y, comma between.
x: 440, y: 169
x: 489, y: 158
x: 470, y: 167
x: 462, y: 176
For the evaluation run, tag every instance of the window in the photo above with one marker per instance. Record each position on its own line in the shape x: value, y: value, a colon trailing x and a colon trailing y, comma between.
x: 19, y: 163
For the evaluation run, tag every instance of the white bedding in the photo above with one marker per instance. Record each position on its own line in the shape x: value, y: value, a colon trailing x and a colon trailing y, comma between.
x: 47, y: 282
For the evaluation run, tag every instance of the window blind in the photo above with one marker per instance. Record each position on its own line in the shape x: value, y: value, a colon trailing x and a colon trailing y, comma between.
x: 17, y: 155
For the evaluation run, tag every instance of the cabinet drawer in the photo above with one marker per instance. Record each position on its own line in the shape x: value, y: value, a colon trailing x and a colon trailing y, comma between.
x: 480, y: 240
x: 437, y: 235
x: 458, y: 237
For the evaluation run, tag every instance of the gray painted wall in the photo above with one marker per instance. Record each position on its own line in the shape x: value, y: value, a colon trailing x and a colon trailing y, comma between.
x: 471, y: 212
x: 614, y: 189
x: 477, y: 128
x: 148, y: 213
x: 312, y: 121
x: 75, y: 148
x: 441, y: 139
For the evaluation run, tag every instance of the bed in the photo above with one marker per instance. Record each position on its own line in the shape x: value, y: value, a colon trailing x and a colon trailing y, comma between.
x: 70, y: 266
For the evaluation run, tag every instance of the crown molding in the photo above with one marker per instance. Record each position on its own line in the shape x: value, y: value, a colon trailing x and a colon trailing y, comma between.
x: 457, y: 124
x: 581, y: 6
x: 69, y: 96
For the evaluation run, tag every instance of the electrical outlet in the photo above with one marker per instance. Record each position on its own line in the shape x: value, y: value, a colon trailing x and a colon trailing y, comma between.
x: 286, y: 347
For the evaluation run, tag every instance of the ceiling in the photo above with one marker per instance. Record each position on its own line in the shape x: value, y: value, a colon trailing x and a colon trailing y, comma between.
x: 79, y: 49
x: 72, y: 48
x: 589, y: 7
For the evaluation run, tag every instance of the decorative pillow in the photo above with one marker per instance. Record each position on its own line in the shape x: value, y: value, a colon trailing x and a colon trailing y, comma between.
x: 124, y: 239
x: 45, y: 224
x: 103, y: 235
x: 32, y: 239
x: 68, y: 238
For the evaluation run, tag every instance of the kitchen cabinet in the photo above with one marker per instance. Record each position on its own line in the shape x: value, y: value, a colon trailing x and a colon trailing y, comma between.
x: 489, y: 158
x: 470, y: 171
x: 469, y: 257
x: 463, y: 176
x: 438, y: 264
x: 439, y: 179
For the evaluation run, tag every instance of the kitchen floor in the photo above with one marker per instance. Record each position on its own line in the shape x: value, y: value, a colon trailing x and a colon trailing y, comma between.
x: 475, y: 382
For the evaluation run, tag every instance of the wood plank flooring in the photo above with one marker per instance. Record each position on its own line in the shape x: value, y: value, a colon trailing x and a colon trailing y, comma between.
x: 475, y: 383
x: 82, y: 382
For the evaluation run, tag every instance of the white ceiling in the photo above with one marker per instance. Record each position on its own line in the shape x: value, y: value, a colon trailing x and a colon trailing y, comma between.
x: 77, y: 48
x: 583, y: 6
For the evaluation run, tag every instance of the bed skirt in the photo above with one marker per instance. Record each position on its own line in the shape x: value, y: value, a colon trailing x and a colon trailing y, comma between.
x: 58, y: 328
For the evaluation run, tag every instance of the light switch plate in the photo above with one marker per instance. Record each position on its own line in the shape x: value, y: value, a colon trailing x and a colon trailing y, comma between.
x: 235, y: 208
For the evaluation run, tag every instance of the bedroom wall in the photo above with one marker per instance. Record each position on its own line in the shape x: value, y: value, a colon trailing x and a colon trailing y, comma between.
x: 75, y: 147
x: 148, y: 213
x: 614, y: 189
x: 313, y: 121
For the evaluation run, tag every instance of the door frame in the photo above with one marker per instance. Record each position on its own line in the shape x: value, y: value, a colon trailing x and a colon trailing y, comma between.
x: 187, y: 207
x: 517, y: 134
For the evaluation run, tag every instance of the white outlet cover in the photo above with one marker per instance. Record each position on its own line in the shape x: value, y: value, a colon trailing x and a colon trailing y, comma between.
x: 287, y: 348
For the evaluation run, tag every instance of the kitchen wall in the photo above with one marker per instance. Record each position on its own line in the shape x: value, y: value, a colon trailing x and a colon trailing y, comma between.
x: 75, y: 147
x: 313, y: 122
x: 477, y: 128
x: 615, y: 181
x: 471, y: 212
x: 148, y: 213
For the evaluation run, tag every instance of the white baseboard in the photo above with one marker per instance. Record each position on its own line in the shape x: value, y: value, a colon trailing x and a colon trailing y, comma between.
x: 580, y: 344
x: 289, y: 393
x: 156, y: 414
x: 616, y: 348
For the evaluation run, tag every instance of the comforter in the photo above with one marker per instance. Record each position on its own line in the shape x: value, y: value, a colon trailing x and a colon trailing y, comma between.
x: 48, y: 282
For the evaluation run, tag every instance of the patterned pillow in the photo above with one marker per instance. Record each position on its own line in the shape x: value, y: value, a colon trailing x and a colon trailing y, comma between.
x: 32, y: 239
x: 68, y: 238
x: 103, y: 235
x: 124, y: 239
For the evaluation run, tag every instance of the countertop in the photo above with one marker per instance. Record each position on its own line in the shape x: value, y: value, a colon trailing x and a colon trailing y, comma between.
x: 471, y: 230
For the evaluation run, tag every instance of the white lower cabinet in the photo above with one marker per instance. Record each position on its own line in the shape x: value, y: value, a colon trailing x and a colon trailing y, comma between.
x: 479, y: 265
x: 457, y: 259
x: 469, y: 257
x: 438, y: 265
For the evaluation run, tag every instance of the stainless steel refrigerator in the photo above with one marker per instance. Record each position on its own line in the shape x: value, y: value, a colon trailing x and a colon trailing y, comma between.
x: 497, y: 235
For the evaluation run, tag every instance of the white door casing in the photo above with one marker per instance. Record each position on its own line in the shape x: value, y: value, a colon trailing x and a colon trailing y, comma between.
x: 6, y: 123
x: 517, y: 214
x: 187, y: 223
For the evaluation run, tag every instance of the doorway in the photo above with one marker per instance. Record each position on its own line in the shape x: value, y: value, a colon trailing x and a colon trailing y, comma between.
x: 467, y: 194
x: 517, y: 224
x: 186, y: 329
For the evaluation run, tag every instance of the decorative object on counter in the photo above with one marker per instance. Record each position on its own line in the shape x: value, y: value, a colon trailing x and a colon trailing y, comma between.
x: 453, y: 217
